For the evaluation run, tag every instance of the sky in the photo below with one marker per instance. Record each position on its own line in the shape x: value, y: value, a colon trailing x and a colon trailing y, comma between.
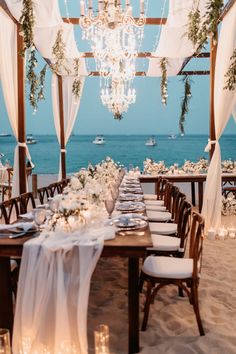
x: 147, y: 115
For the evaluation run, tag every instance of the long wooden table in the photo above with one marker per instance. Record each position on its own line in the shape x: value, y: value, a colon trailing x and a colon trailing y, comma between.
x: 193, y: 178
x: 131, y: 245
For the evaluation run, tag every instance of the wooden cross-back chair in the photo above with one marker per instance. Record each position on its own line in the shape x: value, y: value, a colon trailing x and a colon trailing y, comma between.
x: 184, y: 273
x: 44, y: 193
x: 27, y: 202
x: 10, y: 210
x: 56, y: 188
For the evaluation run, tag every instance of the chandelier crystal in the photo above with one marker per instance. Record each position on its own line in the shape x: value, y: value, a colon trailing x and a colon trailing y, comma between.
x: 115, y: 37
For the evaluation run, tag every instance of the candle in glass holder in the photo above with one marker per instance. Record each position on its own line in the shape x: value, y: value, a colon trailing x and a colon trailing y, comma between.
x: 5, y: 347
x: 231, y: 232
x: 211, y: 234
x: 101, y: 338
x: 222, y: 233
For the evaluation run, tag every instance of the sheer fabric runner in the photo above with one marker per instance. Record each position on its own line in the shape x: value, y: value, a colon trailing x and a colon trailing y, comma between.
x: 53, y: 290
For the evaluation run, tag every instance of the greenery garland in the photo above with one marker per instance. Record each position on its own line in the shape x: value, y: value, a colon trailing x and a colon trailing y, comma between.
x: 58, y: 51
x: 27, y: 23
x: 76, y: 87
x: 42, y: 76
x: 118, y: 116
x: 231, y: 73
x: 32, y: 79
x: 164, y: 80
x: 198, y: 33
x: 185, y: 103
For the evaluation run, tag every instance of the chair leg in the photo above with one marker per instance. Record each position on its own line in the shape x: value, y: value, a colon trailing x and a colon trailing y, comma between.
x: 181, y: 293
x: 196, y: 309
x: 147, y: 306
x: 141, y: 282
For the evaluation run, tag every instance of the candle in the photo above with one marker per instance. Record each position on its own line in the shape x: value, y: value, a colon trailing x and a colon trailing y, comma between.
x: 142, y: 6
x: 232, y: 232
x: 222, y: 233
x: 101, y: 338
x: 211, y: 234
x: 82, y: 8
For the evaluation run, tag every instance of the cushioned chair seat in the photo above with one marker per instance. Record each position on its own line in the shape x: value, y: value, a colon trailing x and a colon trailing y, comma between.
x: 156, y: 207
x: 163, y: 228
x: 158, y: 215
x: 150, y: 196
x: 154, y: 202
x: 168, y: 267
x: 165, y: 243
x: 14, y: 264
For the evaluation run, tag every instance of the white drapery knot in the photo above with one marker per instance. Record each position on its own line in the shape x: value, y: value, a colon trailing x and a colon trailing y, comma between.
x: 208, y: 146
x: 26, y: 152
x: 63, y: 150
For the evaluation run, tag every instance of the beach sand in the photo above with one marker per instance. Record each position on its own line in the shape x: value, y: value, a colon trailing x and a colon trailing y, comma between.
x: 172, y: 328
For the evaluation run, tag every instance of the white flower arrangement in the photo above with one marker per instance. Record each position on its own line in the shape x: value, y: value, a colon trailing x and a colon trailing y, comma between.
x: 228, y: 166
x: 153, y: 168
x: 228, y: 205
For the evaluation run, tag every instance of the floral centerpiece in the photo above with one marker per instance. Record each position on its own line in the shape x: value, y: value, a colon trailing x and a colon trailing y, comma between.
x: 228, y: 166
x: 153, y: 168
x: 228, y: 205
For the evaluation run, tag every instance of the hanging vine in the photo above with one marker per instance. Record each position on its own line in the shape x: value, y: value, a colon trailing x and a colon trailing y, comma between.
x: 27, y: 24
x: 185, y: 103
x: 118, y: 116
x: 200, y: 29
x: 164, y: 80
x: 42, y: 76
x: 58, y: 51
x: 231, y: 73
x: 76, y: 87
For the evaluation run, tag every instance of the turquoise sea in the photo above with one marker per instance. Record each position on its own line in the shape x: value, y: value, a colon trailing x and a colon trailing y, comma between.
x: 128, y: 149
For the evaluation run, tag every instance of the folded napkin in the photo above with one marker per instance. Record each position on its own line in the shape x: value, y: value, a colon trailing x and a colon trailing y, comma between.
x: 127, y: 216
x: 25, y: 226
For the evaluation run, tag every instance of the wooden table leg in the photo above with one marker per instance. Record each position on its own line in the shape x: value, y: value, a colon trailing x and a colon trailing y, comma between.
x: 200, y: 196
x: 193, y: 193
x: 6, y: 306
x: 133, y: 275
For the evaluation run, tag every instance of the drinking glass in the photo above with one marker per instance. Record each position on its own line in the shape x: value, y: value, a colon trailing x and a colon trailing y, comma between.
x: 5, y: 347
x: 110, y: 205
x: 39, y: 217
x: 101, y: 339
x: 115, y: 193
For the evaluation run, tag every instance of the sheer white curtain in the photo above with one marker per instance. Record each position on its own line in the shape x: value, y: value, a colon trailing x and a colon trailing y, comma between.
x: 70, y: 107
x: 224, y: 103
x: 53, y: 291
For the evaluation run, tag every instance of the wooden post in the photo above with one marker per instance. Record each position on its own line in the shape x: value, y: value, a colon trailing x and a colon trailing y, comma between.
x: 35, y: 185
x: 62, y: 129
x: 212, y: 135
x: 21, y: 110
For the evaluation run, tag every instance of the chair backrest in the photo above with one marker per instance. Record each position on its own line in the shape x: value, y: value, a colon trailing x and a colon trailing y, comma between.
x: 56, y: 188
x: 184, y: 224
x: 43, y: 194
x: 10, y: 210
x: 27, y: 202
x: 196, y: 242
x: 163, y: 182
x: 179, y: 197
x: 167, y: 195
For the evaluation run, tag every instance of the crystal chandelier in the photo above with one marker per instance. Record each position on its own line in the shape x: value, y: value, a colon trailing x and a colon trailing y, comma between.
x: 118, y: 97
x: 115, y: 37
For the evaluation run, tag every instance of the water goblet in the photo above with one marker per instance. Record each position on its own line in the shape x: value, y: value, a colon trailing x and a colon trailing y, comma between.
x: 110, y: 205
x: 5, y: 347
x: 39, y: 217
x: 115, y: 193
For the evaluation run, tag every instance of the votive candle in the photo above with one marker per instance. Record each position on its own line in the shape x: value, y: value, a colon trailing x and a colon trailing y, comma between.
x: 211, y: 234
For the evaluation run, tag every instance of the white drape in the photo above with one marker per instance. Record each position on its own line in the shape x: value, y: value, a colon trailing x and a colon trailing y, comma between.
x: 173, y: 42
x: 224, y: 102
x: 70, y: 107
x: 53, y: 290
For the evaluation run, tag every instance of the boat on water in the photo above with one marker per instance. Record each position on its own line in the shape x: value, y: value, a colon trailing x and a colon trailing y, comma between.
x: 99, y: 140
x: 172, y: 136
x: 151, y: 141
x: 182, y: 134
x: 30, y: 139
x: 3, y: 135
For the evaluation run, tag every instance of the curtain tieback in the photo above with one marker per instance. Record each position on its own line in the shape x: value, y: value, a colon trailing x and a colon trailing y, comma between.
x: 63, y: 150
x: 208, y: 146
x: 26, y: 152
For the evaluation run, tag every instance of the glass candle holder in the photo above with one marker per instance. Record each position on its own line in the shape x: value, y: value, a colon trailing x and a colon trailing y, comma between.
x: 101, y: 339
x: 5, y: 346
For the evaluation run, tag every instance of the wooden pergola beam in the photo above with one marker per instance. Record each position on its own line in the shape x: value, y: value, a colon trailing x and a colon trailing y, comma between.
x: 143, y: 73
x: 149, y: 20
x: 147, y: 55
x: 62, y: 127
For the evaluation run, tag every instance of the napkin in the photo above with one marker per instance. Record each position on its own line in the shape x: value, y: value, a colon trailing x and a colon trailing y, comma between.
x: 25, y: 226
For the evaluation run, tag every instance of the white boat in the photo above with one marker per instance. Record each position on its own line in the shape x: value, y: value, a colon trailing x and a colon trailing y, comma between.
x: 30, y: 139
x: 172, y: 136
x: 182, y: 134
x: 151, y: 141
x: 3, y: 135
x: 99, y: 140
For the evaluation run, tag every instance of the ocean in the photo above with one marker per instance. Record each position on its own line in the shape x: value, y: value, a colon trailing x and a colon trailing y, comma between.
x: 129, y: 150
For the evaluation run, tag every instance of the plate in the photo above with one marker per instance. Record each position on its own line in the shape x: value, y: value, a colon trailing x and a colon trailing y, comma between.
x: 136, y: 224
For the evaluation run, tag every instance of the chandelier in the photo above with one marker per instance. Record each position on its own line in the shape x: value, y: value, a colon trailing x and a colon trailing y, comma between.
x: 118, y: 97
x: 115, y: 37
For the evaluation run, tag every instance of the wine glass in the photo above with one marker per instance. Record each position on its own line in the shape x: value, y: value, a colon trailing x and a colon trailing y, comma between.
x: 115, y: 193
x: 39, y: 217
x: 110, y: 205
